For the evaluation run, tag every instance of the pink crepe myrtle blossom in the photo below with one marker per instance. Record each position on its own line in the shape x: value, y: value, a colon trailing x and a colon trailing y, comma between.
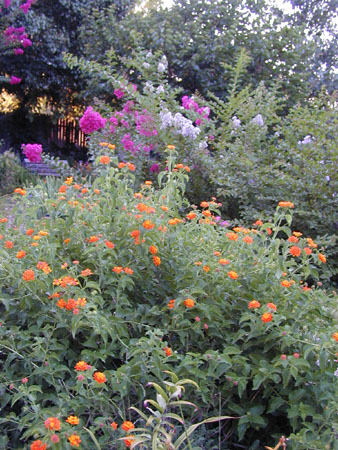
x: 14, y: 80
x: 32, y: 152
x: 119, y: 93
x: 91, y: 121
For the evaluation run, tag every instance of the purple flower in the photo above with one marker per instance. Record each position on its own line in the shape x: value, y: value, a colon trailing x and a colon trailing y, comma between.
x: 155, y: 168
x: 18, y: 51
x: 14, y: 80
x: 7, y: 3
x: 225, y: 223
x: 26, y: 42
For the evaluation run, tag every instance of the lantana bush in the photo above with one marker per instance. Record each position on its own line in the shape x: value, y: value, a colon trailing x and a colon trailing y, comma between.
x: 108, y: 284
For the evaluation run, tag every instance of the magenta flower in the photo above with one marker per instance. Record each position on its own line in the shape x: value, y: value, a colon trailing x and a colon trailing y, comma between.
x: 155, y: 168
x: 7, y: 3
x: 18, y: 51
x: 91, y: 121
x: 26, y: 42
x: 119, y: 93
x: 32, y: 152
x: 14, y: 80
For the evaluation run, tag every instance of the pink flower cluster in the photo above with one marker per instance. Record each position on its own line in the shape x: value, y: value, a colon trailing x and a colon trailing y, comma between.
x: 189, y: 103
x: 32, y: 152
x: 25, y: 6
x: 14, y: 80
x: 17, y: 36
x: 144, y: 124
x: 7, y: 3
x: 91, y: 121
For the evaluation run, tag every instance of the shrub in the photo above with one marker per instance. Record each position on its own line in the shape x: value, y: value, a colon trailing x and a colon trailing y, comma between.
x: 12, y: 174
x: 89, y: 316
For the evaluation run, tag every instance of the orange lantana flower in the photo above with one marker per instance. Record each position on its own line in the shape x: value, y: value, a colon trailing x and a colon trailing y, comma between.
x: 167, y: 351
x: 148, y: 225
x: 153, y: 250
x: 74, y: 440
x: 286, y: 205
x: 72, y: 420
x: 127, y: 425
x: 272, y: 306
x: 232, y: 274
x: 266, y: 317
x: 254, y: 304
x: 38, y: 445
x: 322, y: 257
x: 99, y: 377
x: 21, y: 254
x: 53, y: 423
x: 81, y: 366
x: 104, y: 159
x: 189, y: 303
x: 28, y: 275
x: 117, y: 269
x: 295, y: 251
x: 156, y: 260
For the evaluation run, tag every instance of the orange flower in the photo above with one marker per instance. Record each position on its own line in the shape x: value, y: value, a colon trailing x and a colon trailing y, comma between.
x: 131, y: 167
x: 3, y: 220
x: 129, y: 440
x: 97, y: 191
x: 297, y: 233
x: 311, y: 243
x: 72, y: 420
x: 53, y: 423
x: 167, y: 351
x: 148, y: 183
x: 21, y: 254
x: 258, y: 223
x: 29, y: 232
x: 28, y: 275
x: 99, y: 377
x: 74, y: 440
x: 127, y: 426
x: 135, y: 234
x: 189, y: 303
x: 148, y: 225
x: 285, y: 283
x: 335, y: 336
x: 232, y: 274
x: 216, y: 253
x: 206, y: 268
x: 121, y: 165
x: 86, y: 272
x: 191, y: 215
x: 286, y: 205
x: 206, y: 213
x: 109, y: 244
x: 164, y: 208
x: 20, y: 191
x: 128, y: 271
x: 266, y: 317
x: 187, y: 168
x: 272, y: 306
x: 156, y: 260
x: 92, y: 239
x: 69, y: 181
x: 171, y: 304
x: 204, y: 204
x: 198, y: 263
x: 174, y: 221
x: 41, y: 265
x: 61, y: 303
x: 153, y: 250
x: 66, y: 241
x: 81, y: 301
x: 114, y: 425
x: 63, y: 189
x: 179, y: 166
x: 307, y: 250
x: 71, y: 304
x: 232, y: 236
x: 254, y: 304
x: 248, y: 239
x: 38, y: 445
x: 322, y: 257
x: 223, y: 261
x: 293, y: 239
x: 105, y: 160
x: 295, y: 251
x: 9, y: 244
x: 171, y: 147
x: 81, y: 366
x: 117, y: 269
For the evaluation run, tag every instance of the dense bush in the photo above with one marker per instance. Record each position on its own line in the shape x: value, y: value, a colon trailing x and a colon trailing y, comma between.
x: 12, y: 174
x: 136, y: 283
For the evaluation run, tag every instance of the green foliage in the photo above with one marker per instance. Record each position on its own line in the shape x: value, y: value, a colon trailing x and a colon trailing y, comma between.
x: 12, y: 173
x: 276, y: 375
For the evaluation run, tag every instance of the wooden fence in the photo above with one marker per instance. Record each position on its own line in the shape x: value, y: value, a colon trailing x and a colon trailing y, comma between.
x: 66, y: 132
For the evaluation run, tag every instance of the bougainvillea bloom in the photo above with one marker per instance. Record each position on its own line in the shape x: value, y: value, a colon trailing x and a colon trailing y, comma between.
x: 266, y: 317
x: 72, y: 420
x: 189, y: 303
x: 295, y: 251
x: 14, y: 80
x: 81, y: 366
x: 127, y: 425
x: 53, y: 423
x: 104, y: 160
x: 74, y: 440
x: 99, y: 377
x: 38, y: 445
x: 28, y: 275
x: 254, y: 304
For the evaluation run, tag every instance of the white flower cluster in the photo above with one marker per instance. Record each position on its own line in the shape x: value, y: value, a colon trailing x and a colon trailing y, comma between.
x: 181, y: 124
x: 163, y: 64
x: 258, y: 120
x: 307, y: 140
